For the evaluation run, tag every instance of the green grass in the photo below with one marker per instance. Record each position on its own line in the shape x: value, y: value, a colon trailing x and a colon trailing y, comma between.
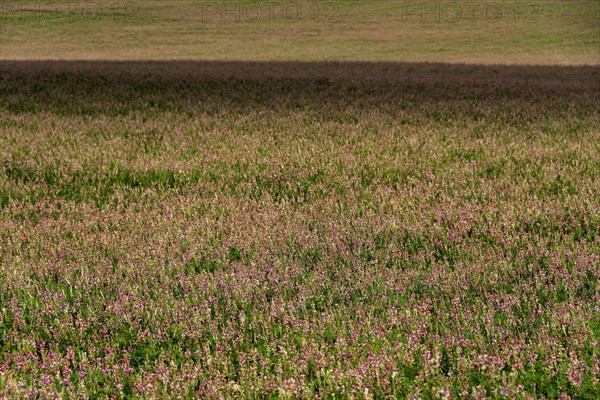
x: 554, y: 32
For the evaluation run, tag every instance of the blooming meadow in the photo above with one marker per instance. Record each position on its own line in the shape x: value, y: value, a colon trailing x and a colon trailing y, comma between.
x: 290, y: 230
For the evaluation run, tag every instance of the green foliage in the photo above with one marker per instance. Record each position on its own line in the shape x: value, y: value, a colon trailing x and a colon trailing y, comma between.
x: 360, y: 231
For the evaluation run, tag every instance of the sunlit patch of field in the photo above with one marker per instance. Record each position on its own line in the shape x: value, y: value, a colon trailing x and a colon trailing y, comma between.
x: 490, y: 32
x: 299, y: 230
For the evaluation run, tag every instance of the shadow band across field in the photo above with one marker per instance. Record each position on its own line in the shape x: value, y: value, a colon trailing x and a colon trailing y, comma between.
x: 118, y: 88
x: 376, y: 72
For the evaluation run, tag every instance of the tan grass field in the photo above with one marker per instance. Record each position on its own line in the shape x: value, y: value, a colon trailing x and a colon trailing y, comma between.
x: 500, y: 32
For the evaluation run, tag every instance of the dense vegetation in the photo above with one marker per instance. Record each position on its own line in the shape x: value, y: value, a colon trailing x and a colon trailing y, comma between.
x: 299, y: 230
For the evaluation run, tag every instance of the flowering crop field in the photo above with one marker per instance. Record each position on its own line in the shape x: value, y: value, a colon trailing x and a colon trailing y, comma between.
x: 299, y: 230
